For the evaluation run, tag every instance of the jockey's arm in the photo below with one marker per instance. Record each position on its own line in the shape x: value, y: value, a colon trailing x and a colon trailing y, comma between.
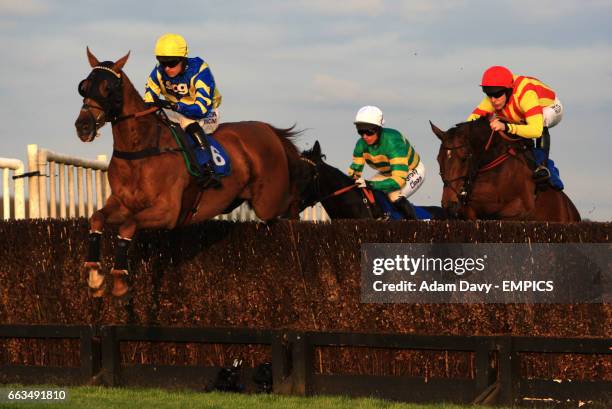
x: 358, y: 164
x: 530, y: 105
x: 152, y: 89
x: 203, y: 102
x: 485, y: 108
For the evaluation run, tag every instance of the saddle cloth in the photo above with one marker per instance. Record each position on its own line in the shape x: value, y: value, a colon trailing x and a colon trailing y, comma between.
x: 555, y: 178
x: 387, y: 207
x: 217, y: 154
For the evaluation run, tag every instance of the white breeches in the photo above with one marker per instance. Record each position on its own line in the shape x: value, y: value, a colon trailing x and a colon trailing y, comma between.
x: 414, y: 180
x: 208, y: 124
x: 553, y: 114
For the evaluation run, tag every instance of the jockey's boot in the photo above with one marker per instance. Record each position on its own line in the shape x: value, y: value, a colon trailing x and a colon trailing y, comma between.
x: 208, y: 176
x: 403, y: 205
x: 541, y: 174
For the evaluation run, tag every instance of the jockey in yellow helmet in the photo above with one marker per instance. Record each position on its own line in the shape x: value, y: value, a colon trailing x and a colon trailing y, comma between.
x: 190, y: 94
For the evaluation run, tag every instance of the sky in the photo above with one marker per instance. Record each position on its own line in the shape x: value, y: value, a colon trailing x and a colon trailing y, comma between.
x: 314, y: 63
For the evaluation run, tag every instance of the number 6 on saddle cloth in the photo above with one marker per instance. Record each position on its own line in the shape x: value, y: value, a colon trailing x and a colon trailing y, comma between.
x: 196, y: 158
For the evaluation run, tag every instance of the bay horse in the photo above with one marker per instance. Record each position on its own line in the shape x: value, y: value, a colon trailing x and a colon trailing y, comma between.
x: 488, y: 175
x: 339, y: 195
x: 149, y: 181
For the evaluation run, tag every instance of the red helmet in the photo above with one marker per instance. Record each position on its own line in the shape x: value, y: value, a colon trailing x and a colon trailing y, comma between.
x: 497, y: 76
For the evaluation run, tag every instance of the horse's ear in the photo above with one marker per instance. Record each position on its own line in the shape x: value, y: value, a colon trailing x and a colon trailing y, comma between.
x: 316, y: 149
x: 439, y: 133
x: 93, y: 61
x: 118, y: 65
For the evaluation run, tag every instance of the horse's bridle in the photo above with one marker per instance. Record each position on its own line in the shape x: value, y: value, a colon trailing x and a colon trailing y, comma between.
x: 463, y: 194
x: 110, y: 105
x: 321, y: 198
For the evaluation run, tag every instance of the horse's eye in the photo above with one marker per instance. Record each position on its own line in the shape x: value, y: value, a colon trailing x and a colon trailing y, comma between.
x: 82, y: 88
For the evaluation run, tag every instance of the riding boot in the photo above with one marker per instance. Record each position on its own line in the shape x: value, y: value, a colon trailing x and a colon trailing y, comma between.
x: 541, y: 174
x: 403, y: 205
x: 208, y: 176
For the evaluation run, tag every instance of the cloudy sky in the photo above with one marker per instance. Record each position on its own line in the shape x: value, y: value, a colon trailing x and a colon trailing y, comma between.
x: 315, y: 62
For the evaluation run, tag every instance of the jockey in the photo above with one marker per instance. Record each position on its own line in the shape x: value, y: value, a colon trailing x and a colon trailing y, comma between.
x: 528, y: 107
x: 401, y: 171
x: 190, y: 93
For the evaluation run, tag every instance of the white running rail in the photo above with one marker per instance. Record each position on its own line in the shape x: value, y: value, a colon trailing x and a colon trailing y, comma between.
x: 42, y: 165
x: 16, y: 166
x: 53, y: 190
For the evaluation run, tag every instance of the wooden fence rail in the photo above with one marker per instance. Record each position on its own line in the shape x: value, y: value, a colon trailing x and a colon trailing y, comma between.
x: 293, y: 363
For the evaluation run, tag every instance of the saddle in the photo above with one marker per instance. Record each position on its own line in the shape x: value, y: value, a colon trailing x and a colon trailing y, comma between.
x: 196, y: 158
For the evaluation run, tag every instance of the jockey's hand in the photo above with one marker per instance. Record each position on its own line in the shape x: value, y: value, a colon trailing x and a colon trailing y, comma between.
x: 162, y: 103
x: 362, y: 183
x: 497, y: 125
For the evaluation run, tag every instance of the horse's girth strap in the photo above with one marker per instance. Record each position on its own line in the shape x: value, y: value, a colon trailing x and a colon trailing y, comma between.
x: 145, y: 153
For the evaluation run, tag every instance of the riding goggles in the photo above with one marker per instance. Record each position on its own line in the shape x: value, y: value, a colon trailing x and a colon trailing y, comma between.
x: 366, y: 131
x: 494, y: 92
x: 169, y: 63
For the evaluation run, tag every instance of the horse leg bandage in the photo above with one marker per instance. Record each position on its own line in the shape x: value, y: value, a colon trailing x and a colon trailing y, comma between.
x: 121, y: 256
x: 93, y: 250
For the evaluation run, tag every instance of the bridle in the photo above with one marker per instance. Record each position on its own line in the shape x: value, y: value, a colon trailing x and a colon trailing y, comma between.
x: 110, y: 105
x: 463, y: 194
x: 368, y: 197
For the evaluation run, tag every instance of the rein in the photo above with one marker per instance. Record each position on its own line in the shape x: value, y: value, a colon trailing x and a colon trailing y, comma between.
x: 469, y: 178
x: 369, y: 196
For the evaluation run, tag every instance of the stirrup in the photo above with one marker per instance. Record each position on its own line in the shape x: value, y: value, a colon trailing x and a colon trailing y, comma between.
x: 541, y: 174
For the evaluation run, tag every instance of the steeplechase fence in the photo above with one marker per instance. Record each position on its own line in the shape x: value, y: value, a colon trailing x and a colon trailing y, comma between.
x: 63, y: 186
x: 495, y: 375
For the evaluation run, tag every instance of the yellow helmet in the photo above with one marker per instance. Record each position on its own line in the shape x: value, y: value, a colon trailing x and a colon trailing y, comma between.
x: 171, y: 45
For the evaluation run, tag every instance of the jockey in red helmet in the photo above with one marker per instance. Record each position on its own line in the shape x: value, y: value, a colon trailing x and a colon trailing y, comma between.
x: 522, y: 106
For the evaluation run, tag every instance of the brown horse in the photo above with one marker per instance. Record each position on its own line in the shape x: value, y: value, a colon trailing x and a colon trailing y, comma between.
x: 488, y: 175
x: 150, y: 184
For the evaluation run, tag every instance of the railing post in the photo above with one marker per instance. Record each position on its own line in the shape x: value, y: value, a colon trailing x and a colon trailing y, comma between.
x: 111, y: 357
x: 100, y: 183
x: 62, y: 189
x: 71, y: 202
x: 42, y: 183
x: 80, y: 190
x: 52, y: 191
x: 302, y: 357
x: 33, y: 181
x: 90, y: 203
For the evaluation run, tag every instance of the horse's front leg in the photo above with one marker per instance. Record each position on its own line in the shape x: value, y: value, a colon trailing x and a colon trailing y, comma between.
x: 160, y: 216
x: 113, y: 212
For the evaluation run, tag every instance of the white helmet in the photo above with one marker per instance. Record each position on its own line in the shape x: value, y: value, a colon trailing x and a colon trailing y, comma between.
x: 369, y: 115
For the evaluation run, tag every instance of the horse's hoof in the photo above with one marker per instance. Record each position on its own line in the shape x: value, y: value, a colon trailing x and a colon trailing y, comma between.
x: 96, y: 292
x: 95, y: 280
x: 120, y: 285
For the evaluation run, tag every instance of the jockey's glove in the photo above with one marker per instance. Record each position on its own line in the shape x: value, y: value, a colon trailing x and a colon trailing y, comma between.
x: 162, y: 103
x: 362, y: 183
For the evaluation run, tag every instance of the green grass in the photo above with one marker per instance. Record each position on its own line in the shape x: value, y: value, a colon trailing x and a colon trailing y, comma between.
x: 99, y: 397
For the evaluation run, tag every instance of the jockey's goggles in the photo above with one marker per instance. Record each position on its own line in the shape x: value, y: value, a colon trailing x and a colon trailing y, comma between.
x: 494, y: 92
x: 169, y: 63
x: 366, y: 131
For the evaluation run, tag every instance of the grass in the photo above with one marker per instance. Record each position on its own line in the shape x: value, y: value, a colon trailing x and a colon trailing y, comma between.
x: 89, y: 397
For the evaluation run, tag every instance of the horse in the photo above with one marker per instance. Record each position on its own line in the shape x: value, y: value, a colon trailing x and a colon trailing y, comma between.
x: 340, y: 196
x: 150, y: 184
x: 488, y: 175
